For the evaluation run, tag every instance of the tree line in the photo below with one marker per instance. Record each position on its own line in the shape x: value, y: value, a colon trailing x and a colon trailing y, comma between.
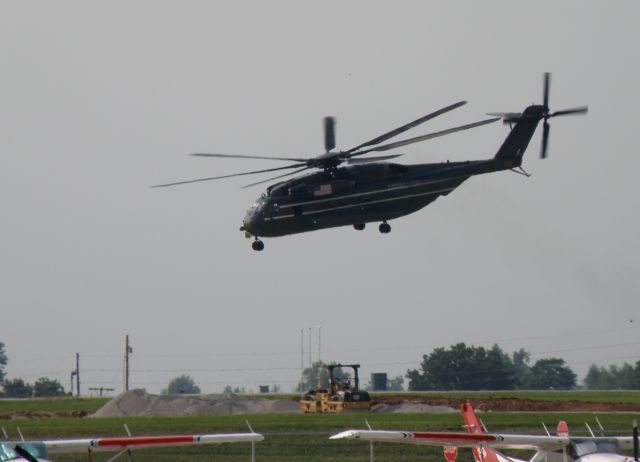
x: 463, y: 367
x: 18, y: 388
x: 459, y: 367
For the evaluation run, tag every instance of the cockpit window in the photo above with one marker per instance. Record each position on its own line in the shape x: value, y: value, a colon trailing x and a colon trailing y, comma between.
x: 7, y: 452
x: 580, y: 448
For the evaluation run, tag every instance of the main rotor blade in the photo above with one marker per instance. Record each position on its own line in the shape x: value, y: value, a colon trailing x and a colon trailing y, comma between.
x: 368, y: 160
x: 545, y: 90
x: 417, y: 139
x: 406, y: 127
x: 577, y: 110
x: 545, y: 139
x: 240, y: 156
x: 505, y: 115
x: 276, y: 177
x: 226, y: 176
x: 329, y: 133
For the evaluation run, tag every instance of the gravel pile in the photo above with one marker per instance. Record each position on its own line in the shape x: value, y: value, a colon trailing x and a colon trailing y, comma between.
x: 140, y: 404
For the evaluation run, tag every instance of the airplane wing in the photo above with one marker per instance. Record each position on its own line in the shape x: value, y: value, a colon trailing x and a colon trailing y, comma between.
x: 131, y: 442
x: 457, y: 439
x: 625, y: 442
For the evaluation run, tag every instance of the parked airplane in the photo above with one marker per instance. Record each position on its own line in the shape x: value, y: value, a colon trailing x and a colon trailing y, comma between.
x: 38, y: 451
x: 560, y: 448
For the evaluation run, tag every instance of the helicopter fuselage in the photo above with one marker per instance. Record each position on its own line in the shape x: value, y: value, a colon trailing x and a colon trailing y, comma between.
x: 369, y: 189
x: 356, y: 195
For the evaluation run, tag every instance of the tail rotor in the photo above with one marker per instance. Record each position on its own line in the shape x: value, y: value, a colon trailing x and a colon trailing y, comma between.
x: 546, y: 114
x: 538, y: 112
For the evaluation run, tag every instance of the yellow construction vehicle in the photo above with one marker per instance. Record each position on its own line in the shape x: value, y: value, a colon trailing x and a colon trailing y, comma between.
x: 341, y: 395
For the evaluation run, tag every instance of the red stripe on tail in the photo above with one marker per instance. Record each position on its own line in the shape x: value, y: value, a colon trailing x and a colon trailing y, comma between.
x: 473, y: 425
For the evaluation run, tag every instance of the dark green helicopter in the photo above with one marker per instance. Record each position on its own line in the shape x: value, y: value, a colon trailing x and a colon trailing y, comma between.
x: 369, y: 189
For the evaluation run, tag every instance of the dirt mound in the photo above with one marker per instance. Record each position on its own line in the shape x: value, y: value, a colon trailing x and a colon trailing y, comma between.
x: 409, y: 407
x: 140, y: 403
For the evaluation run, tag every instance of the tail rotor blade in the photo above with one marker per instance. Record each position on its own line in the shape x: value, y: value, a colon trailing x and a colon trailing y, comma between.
x: 329, y: 133
x: 545, y: 139
x: 545, y: 95
x: 576, y: 110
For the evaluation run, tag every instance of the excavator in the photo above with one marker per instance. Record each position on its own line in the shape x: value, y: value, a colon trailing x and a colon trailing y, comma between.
x: 342, y: 394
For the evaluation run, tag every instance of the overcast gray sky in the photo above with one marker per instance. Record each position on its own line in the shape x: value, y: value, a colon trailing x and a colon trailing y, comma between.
x: 99, y: 100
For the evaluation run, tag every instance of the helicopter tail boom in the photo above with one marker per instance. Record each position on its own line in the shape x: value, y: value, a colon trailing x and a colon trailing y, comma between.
x: 514, y: 146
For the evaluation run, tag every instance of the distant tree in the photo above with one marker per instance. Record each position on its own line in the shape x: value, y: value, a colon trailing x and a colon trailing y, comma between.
x: 551, y: 373
x: 521, y: 367
x: 625, y: 375
x: 276, y: 388
x: 227, y: 390
x: 396, y: 384
x: 597, y: 378
x: 463, y: 367
x: 499, y: 370
x: 614, y: 378
x: 45, y: 386
x: 318, y: 374
x: 180, y: 385
x: 17, y: 388
x: 3, y: 362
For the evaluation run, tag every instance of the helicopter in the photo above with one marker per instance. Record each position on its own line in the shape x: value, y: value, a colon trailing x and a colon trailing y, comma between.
x: 371, y: 189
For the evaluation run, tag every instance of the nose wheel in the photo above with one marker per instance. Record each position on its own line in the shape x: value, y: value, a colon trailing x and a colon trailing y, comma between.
x: 359, y: 226
x: 384, y: 227
x: 257, y: 245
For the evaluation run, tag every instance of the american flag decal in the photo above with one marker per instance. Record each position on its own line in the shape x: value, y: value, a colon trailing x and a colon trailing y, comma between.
x: 322, y: 190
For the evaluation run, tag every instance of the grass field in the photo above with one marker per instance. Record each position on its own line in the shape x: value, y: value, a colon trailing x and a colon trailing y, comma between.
x: 52, y: 405
x: 295, y: 437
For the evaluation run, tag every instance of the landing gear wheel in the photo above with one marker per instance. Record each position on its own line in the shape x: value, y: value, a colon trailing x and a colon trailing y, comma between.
x: 257, y: 245
x: 359, y: 226
x: 384, y: 227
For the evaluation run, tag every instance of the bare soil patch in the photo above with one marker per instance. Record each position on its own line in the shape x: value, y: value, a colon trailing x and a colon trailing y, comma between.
x: 513, y: 404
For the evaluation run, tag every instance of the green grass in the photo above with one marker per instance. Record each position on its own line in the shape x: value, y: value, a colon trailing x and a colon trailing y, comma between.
x: 294, y: 437
x: 52, y: 405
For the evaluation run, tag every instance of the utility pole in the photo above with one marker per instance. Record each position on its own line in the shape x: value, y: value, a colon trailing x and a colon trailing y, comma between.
x: 78, y: 373
x: 319, y: 342
x: 127, y: 351
x: 310, y: 360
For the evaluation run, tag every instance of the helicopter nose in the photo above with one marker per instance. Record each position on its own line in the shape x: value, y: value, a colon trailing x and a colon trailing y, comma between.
x: 246, y: 226
x: 251, y: 224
